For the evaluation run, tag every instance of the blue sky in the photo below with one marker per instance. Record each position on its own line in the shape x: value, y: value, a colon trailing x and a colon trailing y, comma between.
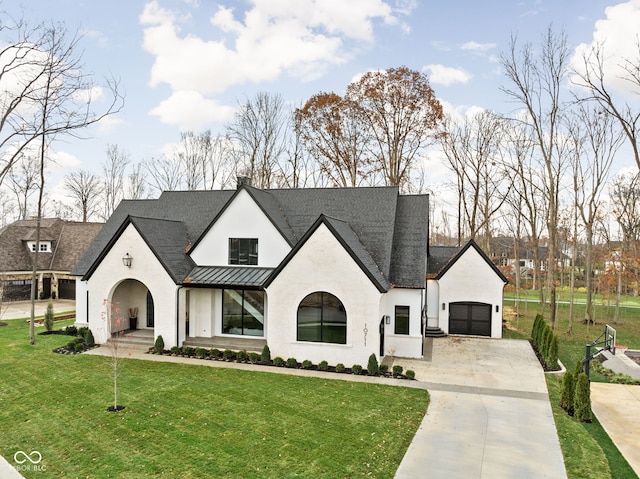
x: 185, y: 64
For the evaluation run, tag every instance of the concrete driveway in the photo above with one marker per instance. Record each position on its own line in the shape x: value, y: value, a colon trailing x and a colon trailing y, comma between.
x: 489, y: 414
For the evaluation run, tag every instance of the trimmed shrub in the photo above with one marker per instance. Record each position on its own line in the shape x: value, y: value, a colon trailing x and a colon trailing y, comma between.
x: 188, y: 351
x: 340, y: 368
x: 306, y: 364
x: 266, y: 354
x: 397, y: 369
x: 372, y: 366
x: 278, y: 361
x: 158, y: 346
x: 356, y: 369
x: 291, y: 363
x: 410, y: 374
x: 89, y: 340
x: 384, y: 369
x: 242, y: 356
x: 200, y: 353
x: 79, y: 346
x: 228, y: 354
x: 567, y: 392
x: 582, y: 400
x: 254, y: 357
x: 71, y: 331
x: 82, y: 331
x: 323, y: 366
x: 215, y: 353
x: 552, y: 355
x: 535, y: 330
x: 175, y: 350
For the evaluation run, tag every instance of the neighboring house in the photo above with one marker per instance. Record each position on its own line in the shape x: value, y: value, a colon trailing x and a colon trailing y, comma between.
x: 466, y: 289
x: 319, y: 274
x: 61, y: 245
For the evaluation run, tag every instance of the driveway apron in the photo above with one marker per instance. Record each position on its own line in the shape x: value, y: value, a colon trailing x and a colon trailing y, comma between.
x: 489, y: 414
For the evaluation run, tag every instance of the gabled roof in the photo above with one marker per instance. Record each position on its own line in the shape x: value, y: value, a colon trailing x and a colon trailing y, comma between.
x: 442, y: 258
x: 384, y: 231
x: 69, y: 240
x: 167, y: 239
x: 349, y: 240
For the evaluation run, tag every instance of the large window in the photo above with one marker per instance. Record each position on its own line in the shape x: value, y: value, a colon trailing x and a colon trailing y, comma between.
x: 402, y: 320
x: 243, y: 251
x: 243, y: 312
x: 322, y: 318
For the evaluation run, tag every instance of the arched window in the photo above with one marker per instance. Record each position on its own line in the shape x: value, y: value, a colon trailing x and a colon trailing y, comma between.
x: 322, y: 318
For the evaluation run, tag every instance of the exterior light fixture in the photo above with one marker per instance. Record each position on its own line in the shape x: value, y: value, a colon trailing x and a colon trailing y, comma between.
x: 126, y: 260
x: 444, y: 306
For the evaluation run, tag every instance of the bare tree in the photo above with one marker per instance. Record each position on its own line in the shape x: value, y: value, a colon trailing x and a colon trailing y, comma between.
x: 473, y: 152
x: 22, y: 180
x: 336, y: 132
x: 84, y: 190
x: 113, y: 170
x: 403, y: 114
x: 258, y: 131
x: 590, y: 73
x: 163, y: 174
x: 537, y: 76
x: 136, y: 185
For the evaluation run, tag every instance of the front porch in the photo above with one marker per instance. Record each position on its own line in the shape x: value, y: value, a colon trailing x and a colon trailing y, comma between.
x: 227, y: 342
x: 134, y: 338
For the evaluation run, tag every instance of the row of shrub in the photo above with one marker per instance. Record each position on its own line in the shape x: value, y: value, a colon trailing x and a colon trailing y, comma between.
x: 545, y: 342
x: 575, y: 394
x: 264, y: 358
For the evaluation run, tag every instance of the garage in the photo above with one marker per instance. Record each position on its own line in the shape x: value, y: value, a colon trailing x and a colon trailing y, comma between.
x: 470, y: 318
x: 67, y: 288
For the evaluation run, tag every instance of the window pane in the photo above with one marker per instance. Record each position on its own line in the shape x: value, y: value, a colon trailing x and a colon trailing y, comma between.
x: 232, y: 311
x: 233, y: 250
x: 243, y: 251
x: 253, y: 313
x: 402, y: 320
x: 310, y: 318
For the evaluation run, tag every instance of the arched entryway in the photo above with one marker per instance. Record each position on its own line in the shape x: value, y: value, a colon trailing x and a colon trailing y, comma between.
x: 134, y: 303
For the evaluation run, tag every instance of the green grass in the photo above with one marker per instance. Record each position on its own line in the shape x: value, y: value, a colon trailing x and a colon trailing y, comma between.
x: 588, y: 451
x: 189, y: 421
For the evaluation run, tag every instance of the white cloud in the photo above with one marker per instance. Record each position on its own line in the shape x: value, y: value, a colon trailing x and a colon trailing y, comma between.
x: 443, y: 75
x: 478, y: 47
x: 190, y: 110
x: 272, y: 38
x: 618, y: 34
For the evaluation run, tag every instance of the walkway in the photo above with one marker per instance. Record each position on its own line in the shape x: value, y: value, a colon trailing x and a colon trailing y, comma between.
x: 489, y: 414
x: 617, y: 407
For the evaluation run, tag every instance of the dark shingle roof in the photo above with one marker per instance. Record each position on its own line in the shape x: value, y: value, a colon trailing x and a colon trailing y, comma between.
x: 382, y: 229
x: 69, y: 240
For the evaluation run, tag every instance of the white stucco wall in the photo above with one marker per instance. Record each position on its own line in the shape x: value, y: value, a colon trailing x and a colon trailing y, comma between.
x: 403, y: 345
x: 433, y: 303
x: 322, y: 264
x: 471, y: 279
x: 201, y: 312
x: 81, y: 303
x: 243, y: 218
x: 146, y: 269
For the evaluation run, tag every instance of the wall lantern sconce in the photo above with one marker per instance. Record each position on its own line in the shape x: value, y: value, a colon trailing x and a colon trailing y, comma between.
x: 497, y: 308
x: 126, y: 260
x: 444, y: 306
x: 387, y: 320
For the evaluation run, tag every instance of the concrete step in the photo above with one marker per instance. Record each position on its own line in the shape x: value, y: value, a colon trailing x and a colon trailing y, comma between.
x: 434, y: 332
x: 222, y: 343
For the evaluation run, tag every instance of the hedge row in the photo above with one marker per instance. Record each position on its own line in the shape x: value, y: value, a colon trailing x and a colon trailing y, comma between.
x: 546, y: 343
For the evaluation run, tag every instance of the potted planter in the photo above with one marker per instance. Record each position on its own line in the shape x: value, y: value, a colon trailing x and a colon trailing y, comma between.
x: 133, y: 318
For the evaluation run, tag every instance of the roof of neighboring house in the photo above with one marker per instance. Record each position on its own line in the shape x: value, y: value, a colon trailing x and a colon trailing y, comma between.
x: 441, y: 258
x: 385, y: 232
x: 69, y: 240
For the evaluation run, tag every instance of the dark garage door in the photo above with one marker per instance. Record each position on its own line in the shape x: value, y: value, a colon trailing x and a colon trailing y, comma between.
x: 470, y: 318
x: 67, y: 288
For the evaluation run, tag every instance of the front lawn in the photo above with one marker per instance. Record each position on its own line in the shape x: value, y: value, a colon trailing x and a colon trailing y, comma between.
x: 189, y: 421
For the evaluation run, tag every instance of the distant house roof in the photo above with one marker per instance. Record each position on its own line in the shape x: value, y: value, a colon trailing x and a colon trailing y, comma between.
x: 385, y: 231
x: 69, y: 240
x: 441, y: 258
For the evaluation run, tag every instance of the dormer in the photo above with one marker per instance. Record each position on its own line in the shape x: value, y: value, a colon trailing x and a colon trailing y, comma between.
x: 45, y: 246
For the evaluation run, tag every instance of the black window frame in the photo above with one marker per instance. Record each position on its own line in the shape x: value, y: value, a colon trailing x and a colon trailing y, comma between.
x: 325, y: 330
x: 243, y: 324
x: 401, y: 319
x: 243, y: 251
